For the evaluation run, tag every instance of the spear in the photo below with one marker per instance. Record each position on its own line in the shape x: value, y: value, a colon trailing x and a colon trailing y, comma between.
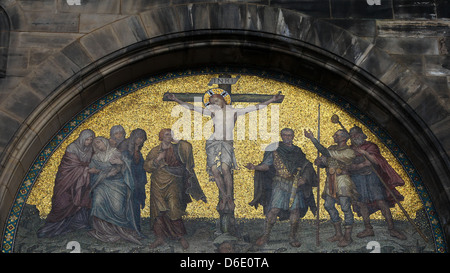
x: 335, y: 119
x: 318, y: 183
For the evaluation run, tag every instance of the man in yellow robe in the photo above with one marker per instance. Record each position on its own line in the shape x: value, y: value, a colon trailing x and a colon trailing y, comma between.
x: 173, y: 183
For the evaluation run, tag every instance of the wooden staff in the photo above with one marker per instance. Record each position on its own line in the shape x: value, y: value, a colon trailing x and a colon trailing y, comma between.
x: 318, y: 183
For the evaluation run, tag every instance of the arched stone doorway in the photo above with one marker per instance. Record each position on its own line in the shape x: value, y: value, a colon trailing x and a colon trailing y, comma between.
x: 152, y: 43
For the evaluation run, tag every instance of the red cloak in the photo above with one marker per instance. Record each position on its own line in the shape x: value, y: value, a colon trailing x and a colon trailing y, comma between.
x: 71, y: 190
x: 389, y: 176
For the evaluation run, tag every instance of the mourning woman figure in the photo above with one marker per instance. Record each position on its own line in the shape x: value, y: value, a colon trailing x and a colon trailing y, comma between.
x: 112, y: 186
x: 71, y: 193
x: 131, y: 150
x: 116, y: 135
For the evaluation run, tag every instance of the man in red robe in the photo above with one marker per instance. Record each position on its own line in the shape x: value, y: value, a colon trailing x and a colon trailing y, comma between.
x: 376, y: 183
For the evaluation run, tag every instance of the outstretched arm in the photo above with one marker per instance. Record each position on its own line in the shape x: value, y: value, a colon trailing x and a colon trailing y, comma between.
x: 260, y: 167
x: 319, y: 147
x: 187, y: 105
x: 260, y: 105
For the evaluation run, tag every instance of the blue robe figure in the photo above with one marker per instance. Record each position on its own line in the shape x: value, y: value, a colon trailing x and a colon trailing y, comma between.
x: 131, y: 149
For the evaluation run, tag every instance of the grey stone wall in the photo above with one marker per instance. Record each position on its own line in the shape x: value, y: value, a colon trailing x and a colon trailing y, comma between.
x: 403, y: 44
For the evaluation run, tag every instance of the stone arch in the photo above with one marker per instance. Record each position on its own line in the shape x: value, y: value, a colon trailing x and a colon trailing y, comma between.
x: 196, y: 35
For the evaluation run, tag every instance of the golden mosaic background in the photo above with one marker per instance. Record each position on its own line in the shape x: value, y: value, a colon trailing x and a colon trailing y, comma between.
x: 145, y: 109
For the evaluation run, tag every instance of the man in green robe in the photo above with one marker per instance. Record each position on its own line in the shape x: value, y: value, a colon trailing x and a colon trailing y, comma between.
x: 283, y: 186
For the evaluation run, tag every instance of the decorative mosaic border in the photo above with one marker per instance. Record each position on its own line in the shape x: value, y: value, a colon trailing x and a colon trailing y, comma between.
x: 33, y: 173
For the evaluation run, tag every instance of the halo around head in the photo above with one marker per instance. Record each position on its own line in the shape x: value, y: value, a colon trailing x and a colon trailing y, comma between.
x: 216, y: 91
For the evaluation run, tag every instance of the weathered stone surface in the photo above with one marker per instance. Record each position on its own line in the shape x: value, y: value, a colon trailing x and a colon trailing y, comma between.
x: 414, y: 9
x: 407, y: 46
x: 33, y: 5
x: 18, y: 60
x: 323, y: 35
x: 138, y: 6
x: 42, y: 40
x: 129, y: 31
x: 437, y: 65
x: 376, y: 62
x: 8, y: 127
x: 428, y: 107
x: 401, y: 79
x: 90, y: 22
x: 358, y: 27
x: 361, y: 9
x: 59, y: 67
x: 442, y: 10
x: 100, y: 43
x: 440, y: 130
x: 110, y: 6
x: 159, y: 21
x: 412, y: 28
x: 51, y: 22
x: 22, y: 101
x: 77, y: 54
x: 315, y: 8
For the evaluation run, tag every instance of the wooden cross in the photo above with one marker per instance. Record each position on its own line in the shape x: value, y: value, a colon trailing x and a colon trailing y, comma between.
x: 225, y: 82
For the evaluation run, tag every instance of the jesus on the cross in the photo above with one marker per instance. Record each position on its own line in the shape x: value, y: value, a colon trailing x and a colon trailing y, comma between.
x: 220, y: 156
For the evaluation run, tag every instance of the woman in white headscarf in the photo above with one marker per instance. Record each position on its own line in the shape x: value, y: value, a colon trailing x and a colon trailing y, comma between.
x: 116, y: 135
x: 71, y: 194
x: 112, y: 187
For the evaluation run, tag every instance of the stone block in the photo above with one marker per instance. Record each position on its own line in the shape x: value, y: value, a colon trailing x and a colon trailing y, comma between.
x: 350, y: 47
x: 77, y: 54
x: 129, y: 30
x: 266, y: 18
x: 8, y: 127
x: 413, y: 62
x: 90, y: 22
x: 437, y: 65
x: 138, y: 6
x: 408, y: 45
x: 99, y: 7
x: 315, y: 8
x: 42, y: 39
x: 428, y: 106
x: 17, y: 62
x: 39, y: 55
x: 402, y: 81
x: 440, y: 85
x: 376, y: 62
x: 70, y: 109
x: 59, y: 67
x: 358, y: 27
x: 407, y: 9
x: 229, y: 16
x: 165, y: 21
x: 51, y: 22
x: 324, y: 35
x: 361, y: 9
x: 292, y: 25
x: 412, y: 28
x: 100, y: 43
x: 37, y: 6
x: 442, y: 9
x: 440, y: 130
x: 22, y: 101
